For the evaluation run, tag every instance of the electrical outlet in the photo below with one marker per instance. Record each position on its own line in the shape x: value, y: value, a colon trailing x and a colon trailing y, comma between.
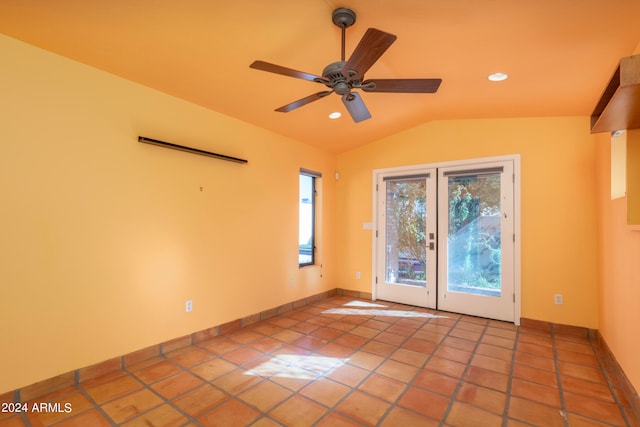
x: 291, y: 282
x: 557, y: 298
x: 358, y: 275
x: 188, y: 307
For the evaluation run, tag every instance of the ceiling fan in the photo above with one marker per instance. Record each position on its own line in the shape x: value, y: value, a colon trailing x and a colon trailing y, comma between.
x: 343, y: 76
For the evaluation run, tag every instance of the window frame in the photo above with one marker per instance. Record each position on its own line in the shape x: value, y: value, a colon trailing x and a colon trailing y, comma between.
x: 314, y: 192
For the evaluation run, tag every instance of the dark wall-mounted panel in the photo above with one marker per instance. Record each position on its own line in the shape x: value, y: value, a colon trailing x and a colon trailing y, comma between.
x: 190, y: 150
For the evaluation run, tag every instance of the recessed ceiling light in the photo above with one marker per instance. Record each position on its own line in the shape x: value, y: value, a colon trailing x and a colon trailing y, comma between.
x: 498, y: 77
x: 335, y: 115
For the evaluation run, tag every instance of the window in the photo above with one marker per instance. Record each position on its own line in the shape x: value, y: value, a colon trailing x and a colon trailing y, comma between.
x: 307, y: 221
x: 618, y: 164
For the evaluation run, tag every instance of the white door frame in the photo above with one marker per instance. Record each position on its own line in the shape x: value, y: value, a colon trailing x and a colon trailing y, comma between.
x: 517, y: 252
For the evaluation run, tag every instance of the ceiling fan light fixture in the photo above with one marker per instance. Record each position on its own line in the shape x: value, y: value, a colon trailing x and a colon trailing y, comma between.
x: 343, y: 76
x: 498, y: 77
x: 335, y: 115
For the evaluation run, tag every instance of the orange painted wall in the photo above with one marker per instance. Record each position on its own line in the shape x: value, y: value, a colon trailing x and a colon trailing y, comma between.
x: 558, y: 216
x: 103, y: 239
x: 619, y: 277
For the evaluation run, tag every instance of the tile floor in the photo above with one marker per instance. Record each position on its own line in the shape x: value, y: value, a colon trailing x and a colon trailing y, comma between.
x: 345, y: 362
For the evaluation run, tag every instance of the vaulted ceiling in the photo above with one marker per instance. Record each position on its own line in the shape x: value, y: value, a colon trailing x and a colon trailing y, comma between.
x: 559, y: 55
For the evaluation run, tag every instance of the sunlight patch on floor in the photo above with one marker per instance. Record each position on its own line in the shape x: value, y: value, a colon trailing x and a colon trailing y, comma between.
x: 296, y: 366
x: 388, y: 313
x: 356, y: 303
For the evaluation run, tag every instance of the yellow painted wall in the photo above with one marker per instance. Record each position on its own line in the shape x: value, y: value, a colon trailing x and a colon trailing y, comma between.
x: 619, y: 277
x: 103, y: 239
x: 558, y: 216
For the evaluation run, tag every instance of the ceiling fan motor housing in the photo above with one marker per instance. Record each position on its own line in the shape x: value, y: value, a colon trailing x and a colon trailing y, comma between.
x: 337, y: 81
x: 333, y: 71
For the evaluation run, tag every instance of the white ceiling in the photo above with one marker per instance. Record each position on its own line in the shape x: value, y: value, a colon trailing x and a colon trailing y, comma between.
x: 559, y: 55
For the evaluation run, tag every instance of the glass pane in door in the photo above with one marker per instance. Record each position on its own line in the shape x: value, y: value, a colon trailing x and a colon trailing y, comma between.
x: 406, y: 240
x: 474, y: 245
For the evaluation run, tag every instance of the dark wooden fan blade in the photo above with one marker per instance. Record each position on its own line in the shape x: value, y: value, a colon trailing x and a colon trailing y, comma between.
x: 402, y: 85
x: 371, y: 47
x: 355, y: 106
x: 273, y: 68
x: 304, y: 101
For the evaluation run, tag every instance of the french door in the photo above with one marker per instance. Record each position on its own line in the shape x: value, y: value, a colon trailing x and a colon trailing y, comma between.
x: 406, y: 237
x: 445, y: 237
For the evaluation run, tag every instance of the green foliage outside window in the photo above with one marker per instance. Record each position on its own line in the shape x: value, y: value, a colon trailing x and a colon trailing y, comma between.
x: 474, y: 231
x: 409, y: 209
